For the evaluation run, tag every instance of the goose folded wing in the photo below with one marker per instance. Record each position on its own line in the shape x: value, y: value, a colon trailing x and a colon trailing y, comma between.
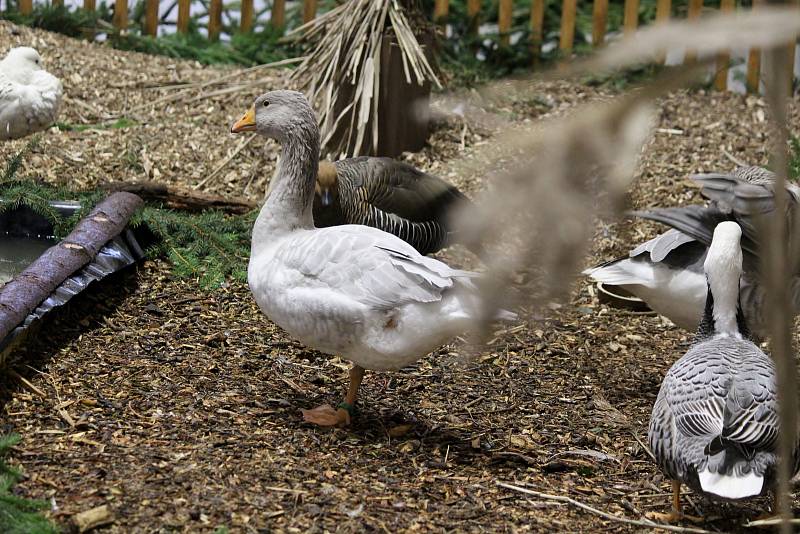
x: 370, y: 267
x: 399, y: 189
x: 751, y: 413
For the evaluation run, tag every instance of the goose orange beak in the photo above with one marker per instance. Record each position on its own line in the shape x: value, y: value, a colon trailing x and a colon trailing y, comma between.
x: 247, y: 123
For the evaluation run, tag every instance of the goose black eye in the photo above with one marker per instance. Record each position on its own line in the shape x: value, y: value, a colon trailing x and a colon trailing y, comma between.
x: 266, y: 103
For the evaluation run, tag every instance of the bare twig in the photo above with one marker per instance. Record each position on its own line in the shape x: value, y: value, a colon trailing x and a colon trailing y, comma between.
x: 636, y: 522
x: 26, y: 383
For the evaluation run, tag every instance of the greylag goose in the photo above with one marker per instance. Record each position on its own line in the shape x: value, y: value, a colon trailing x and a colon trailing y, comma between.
x: 350, y: 290
x: 666, y: 272
x: 714, y: 425
x: 29, y: 95
x: 390, y: 195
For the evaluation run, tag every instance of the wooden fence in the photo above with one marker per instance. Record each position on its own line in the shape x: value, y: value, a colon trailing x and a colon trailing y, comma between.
x: 441, y: 11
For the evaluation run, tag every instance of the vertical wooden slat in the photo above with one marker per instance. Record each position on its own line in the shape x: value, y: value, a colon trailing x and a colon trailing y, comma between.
x: 599, y: 22
x: 26, y: 7
x: 754, y: 63
x: 537, y: 22
x: 309, y: 10
x: 121, y: 14
x: 663, y: 10
x: 631, y: 16
x: 792, y: 49
x: 504, y: 12
x: 473, y: 12
x: 89, y: 5
x: 58, y: 2
x: 724, y: 58
x: 568, y: 10
x: 183, y: 15
x: 278, y: 19
x: 440, y: 9
x: 246, y: 23
x: 214, y: 19
x: 151, y: 17
x: 693, y: 13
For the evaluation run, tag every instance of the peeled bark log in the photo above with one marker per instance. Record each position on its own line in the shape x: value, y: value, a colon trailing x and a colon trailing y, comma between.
x: 20, y: 296
x: 183, y: 199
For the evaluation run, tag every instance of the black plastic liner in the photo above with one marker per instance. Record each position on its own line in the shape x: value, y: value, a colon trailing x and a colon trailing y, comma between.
x: 120, y: 252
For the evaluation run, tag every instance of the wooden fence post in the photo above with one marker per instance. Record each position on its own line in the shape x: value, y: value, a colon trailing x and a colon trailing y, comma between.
x: 309, y: 10
x: 214, y: 19
x: 693, y: 13
x: 246, y: 24
x: 599, y: 22
x: 505, y: 10
x: 473, y: 12
x: 754, y: 63
x: 631, y: 16
x: 278, y: 19
x: 441, y: 8
x: 184, y: 12
x: 121, y: 15
x: 57, y: 2
x: 26, y: 7
x: 537, y: 21
x: 724, y: 58
x: 151, y: 17
x: 663, y: 10
x: 568, y: 10
x: 89, y: 5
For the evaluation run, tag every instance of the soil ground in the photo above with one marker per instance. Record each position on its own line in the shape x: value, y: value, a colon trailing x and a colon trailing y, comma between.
x: 179, y: 408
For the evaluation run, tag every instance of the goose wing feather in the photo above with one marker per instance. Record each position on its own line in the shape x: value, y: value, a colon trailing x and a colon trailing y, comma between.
x: 397, y: 188
x: 662, y: 246
x: 723, y: 386
x: 368, y: 266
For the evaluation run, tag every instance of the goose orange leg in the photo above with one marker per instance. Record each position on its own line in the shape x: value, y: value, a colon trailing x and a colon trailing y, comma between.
x: 327, y: 415
x: 676, y: 514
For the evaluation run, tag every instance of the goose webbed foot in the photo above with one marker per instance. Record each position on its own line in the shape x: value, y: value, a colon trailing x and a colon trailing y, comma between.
x: 675, y: 514
x: 327, y: 415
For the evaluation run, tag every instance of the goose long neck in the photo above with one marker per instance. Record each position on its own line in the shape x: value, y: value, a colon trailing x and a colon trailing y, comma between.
x: 288, y: 207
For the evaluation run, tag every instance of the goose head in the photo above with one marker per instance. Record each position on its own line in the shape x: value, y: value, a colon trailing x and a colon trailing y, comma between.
x: 280, y: 115
x: 20, y: 63
x: 327, y: 183
x: 723, y: 269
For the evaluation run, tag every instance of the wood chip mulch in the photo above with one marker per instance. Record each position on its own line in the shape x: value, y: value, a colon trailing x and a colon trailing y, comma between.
x: 179, y: 409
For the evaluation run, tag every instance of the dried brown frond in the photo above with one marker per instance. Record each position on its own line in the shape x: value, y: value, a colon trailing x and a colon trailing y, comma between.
x: 341, y: 76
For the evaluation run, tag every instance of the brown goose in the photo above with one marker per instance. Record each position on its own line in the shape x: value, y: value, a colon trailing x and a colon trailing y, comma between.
x: 389, y: 195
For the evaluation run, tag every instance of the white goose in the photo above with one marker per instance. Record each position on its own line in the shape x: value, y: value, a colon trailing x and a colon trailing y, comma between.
x: 29, y: 95
x: 349, y: 290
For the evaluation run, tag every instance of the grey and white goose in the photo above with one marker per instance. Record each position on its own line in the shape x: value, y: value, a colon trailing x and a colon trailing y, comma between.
x: 714, y: 425
x: 667, y: 271
x: 390, y: 195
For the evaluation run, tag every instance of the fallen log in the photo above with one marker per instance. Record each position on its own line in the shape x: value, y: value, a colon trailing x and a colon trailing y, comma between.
x: 180, y: 198
x: 21, y: 295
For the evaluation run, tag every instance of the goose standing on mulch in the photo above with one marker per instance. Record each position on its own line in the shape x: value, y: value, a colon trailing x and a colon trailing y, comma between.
x: 667, y: 271
x: 349, y: 290
x: 390, y: 195
x: 714, y: 425
x: 29, y: 95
